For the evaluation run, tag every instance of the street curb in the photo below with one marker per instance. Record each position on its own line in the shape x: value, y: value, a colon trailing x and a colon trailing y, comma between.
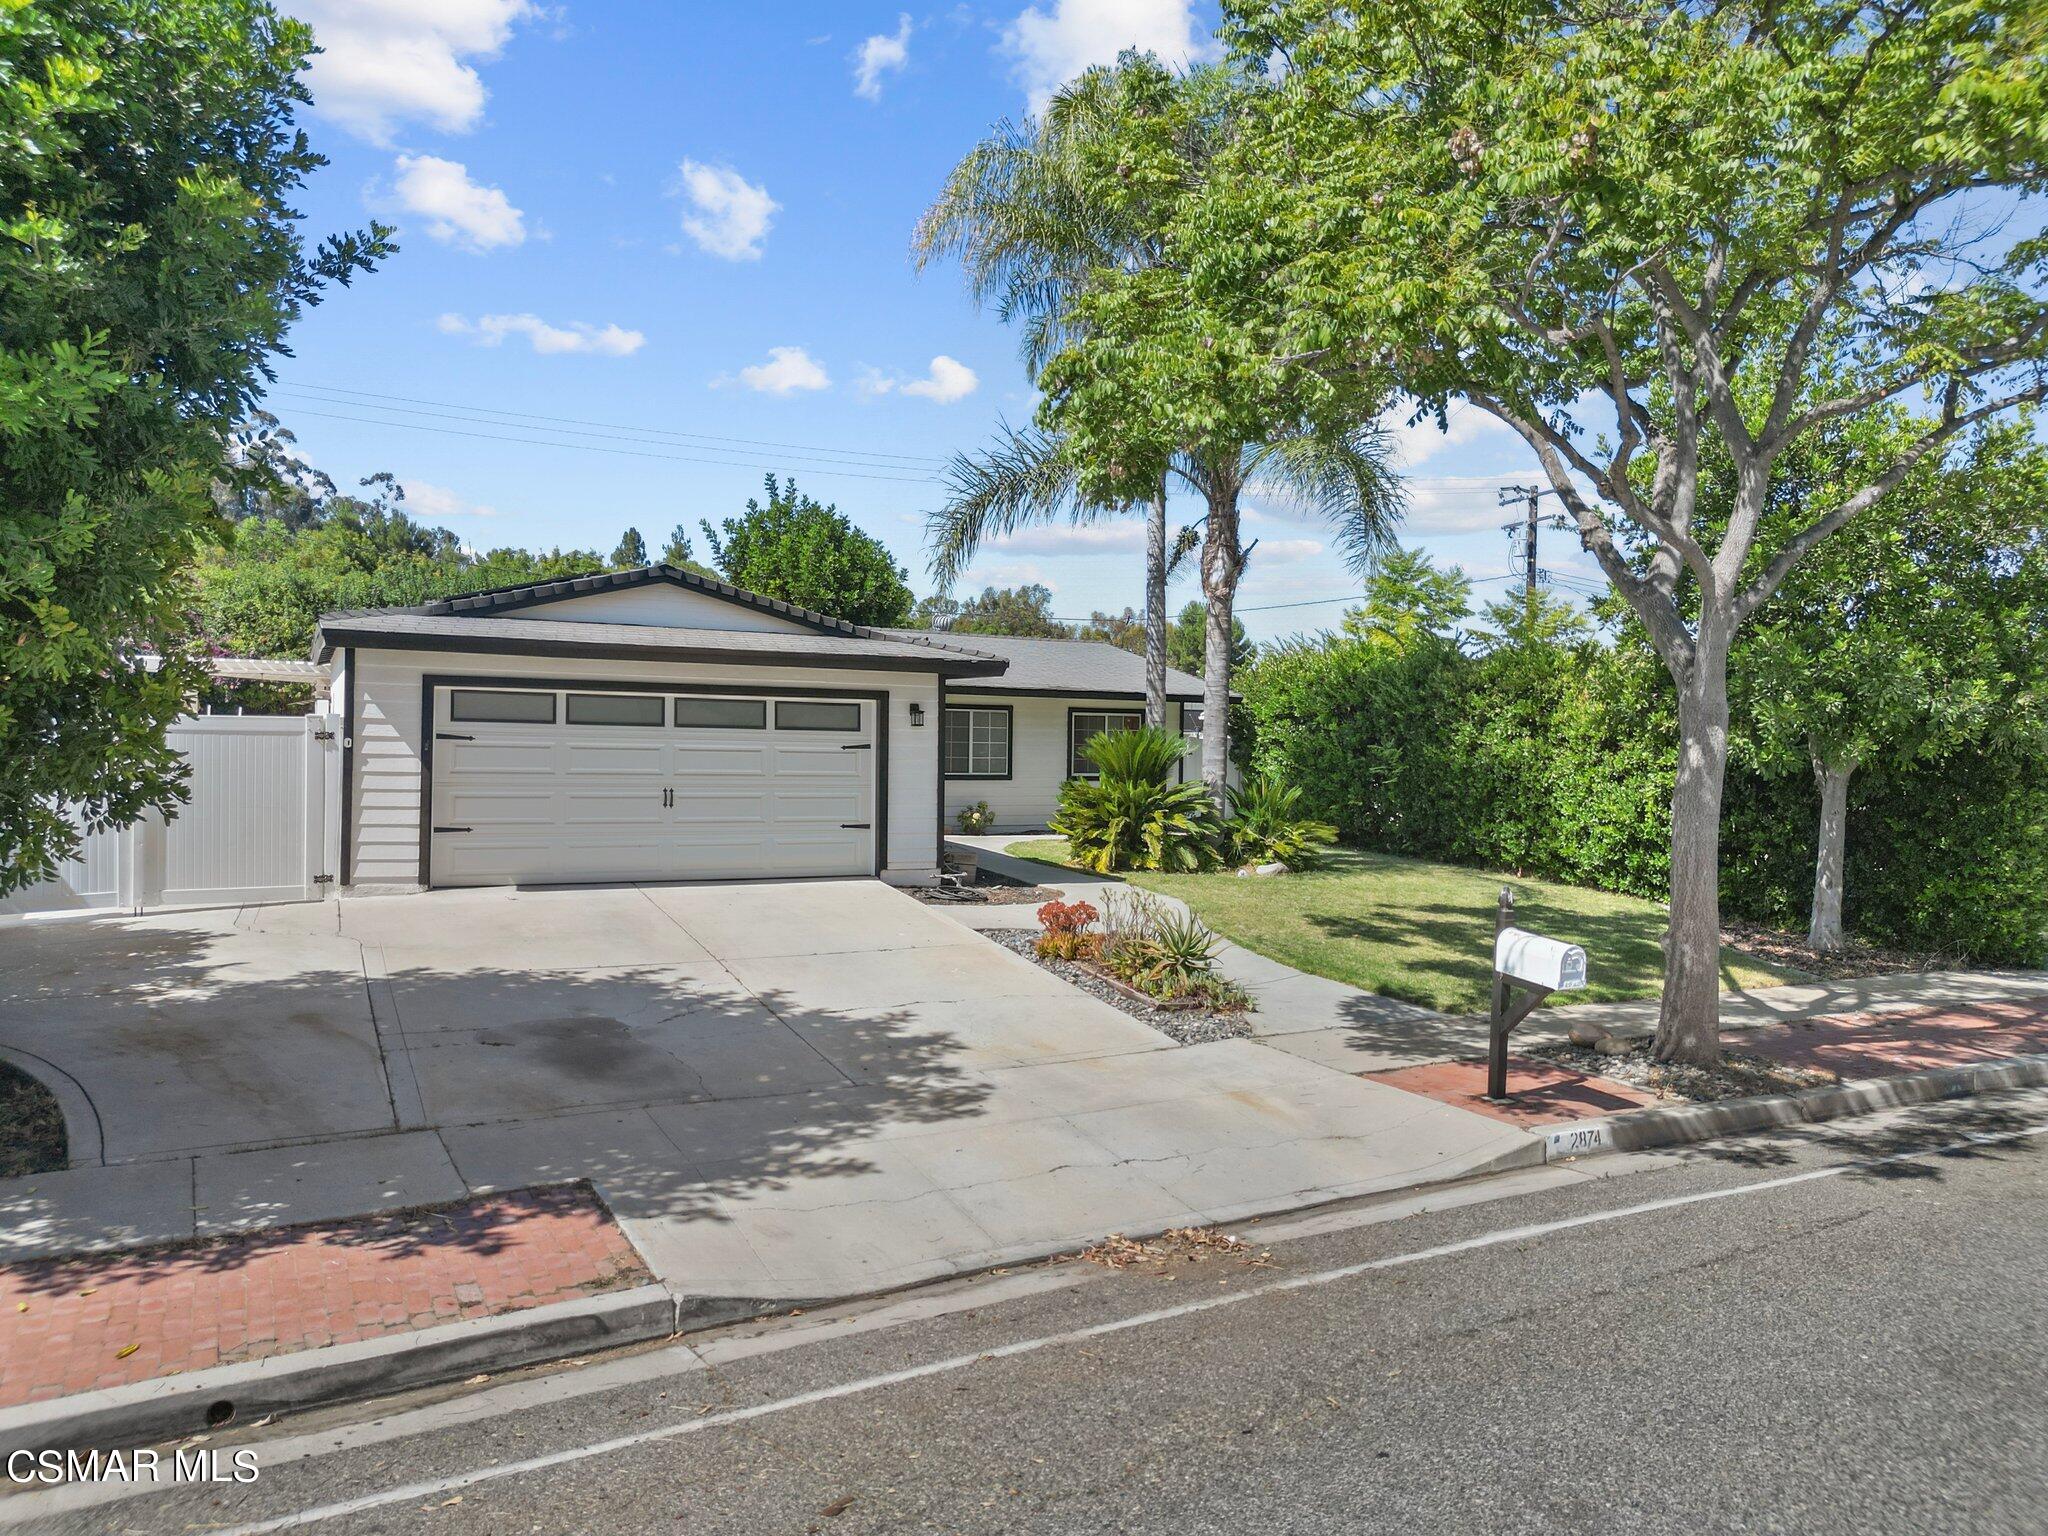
x: 170, y: 1407
x: 1643, y: 1129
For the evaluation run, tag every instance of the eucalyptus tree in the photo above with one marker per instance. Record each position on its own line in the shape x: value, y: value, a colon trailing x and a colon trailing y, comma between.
x: 1593, y: 223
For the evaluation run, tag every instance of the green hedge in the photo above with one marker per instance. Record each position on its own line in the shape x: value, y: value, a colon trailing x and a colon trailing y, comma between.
x: 1556, y: 762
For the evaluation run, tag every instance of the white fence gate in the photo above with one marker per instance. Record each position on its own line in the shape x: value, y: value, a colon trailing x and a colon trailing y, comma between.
x: 263, y: 824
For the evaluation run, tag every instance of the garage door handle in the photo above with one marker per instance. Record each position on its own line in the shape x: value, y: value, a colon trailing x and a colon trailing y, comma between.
x: 451, y: 736
x: 454, y: 829
x: 853, y: 826
x: 858, y: 746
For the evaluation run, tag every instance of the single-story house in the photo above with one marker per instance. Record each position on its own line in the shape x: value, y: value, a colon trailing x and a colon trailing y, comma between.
x: 655, y: 724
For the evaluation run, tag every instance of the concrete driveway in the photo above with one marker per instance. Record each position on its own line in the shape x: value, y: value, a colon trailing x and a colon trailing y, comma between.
x: 797, y: 1089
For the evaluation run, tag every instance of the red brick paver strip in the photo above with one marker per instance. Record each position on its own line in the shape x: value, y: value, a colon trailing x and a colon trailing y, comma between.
x: 1884, y: 1044
x: 70, y: 1325
x: 1544, y: 1092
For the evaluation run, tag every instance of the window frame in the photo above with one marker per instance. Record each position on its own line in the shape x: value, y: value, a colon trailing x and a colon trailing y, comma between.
x: 571, y: 695
x: 1009, y: 714
x: 836, y: 730
x: 677, y: 724
x: 455, y: 697
x: 1074, y: 713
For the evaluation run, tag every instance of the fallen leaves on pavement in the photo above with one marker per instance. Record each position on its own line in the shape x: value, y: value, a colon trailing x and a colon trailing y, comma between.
x: 1179, y: 1245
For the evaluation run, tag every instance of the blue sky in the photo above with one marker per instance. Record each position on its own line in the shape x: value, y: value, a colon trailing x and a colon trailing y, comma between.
x: 652, y: 251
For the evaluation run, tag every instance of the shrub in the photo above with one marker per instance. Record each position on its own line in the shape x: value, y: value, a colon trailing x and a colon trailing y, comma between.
x: 1268, y: 822
x: 1135, y: 816
x: 1163, y: 952
x: 1066, y: 935
x: 975, y: 819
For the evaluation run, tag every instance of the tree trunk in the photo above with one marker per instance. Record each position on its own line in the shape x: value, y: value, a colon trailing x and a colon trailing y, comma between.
x: 1689, y: 1015
x: 1155, y: 610
x: 1824, y: 934
x: 1222, y: 560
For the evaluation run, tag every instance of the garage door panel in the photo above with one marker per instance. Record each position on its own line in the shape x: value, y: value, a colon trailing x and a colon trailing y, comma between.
x: 642, y: 759
x: 458, y: 759
x: 622, y: 806
x: 697, y: 760
x: 572, y: 802
x: 482, y: 806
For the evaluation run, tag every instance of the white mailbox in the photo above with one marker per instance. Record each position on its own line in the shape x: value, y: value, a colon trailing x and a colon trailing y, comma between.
x: 1539, y: 961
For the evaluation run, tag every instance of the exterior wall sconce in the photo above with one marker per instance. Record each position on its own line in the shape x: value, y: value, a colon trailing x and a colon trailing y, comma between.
x: 916, y: 713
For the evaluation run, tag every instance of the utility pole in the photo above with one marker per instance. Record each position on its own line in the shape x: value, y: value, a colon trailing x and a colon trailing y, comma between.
x: 1527, y: 495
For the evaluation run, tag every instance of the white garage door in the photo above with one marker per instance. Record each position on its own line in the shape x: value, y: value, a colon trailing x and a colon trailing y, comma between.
x: 559, y: 785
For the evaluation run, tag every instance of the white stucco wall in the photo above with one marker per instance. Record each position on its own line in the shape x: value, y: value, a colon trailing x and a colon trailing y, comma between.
x: 384, y: 797
x: 1025, y: 801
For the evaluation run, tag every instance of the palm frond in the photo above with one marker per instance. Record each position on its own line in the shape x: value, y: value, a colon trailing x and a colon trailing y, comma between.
x: 1347, y: 478
x: 1024, y: 477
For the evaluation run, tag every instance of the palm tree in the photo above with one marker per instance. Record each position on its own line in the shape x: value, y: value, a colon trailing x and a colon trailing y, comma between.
x: 1024, y: 216
x: 1027, y: 477
x: 1017, y: 214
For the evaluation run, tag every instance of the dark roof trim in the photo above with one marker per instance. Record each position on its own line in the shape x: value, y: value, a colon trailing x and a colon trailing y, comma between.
x: 1118, y: 695
x: 532, y: 594
x: 946, y: 662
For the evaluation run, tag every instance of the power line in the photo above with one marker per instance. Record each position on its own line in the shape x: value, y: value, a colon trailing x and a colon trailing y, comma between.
x: 637, y: 453
x: 368, y: 399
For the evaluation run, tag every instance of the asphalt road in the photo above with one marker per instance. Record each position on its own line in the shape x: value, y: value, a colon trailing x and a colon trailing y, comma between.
x: 1836, y: 1330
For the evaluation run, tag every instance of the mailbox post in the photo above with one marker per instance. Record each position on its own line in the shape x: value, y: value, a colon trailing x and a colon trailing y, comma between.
x: 1526, y: 969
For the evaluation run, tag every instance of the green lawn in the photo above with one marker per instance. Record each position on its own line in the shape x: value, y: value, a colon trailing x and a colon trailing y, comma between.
x: 1423, y: 932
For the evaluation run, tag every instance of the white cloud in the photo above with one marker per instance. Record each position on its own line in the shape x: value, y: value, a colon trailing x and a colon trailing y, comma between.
x: 1073, y: 538
x: 880, y: 55
x: 1050, y: 47
x: 788, y: 371
x: 1286, y: 551
x: 576, y: 336
x: 946, y: 381
x: 387, y: 62
x: 458, y: 211
x: 1416, y: 441
x: 733, y: 215
x: 430, y: 503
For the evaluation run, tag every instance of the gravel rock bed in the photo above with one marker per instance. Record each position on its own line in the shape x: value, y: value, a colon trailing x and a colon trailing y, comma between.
x: 1740, y: 1075
x: 1183, y: 1026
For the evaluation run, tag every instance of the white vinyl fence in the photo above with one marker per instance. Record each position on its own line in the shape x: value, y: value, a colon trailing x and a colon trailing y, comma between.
x: 263, y: 824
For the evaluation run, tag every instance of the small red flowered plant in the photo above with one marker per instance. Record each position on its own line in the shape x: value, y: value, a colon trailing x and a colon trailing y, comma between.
x: 1066, y: 935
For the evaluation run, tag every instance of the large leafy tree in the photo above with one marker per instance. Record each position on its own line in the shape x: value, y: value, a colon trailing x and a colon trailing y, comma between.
x: 804, y: 552
x: 1025, y: 610
x: 150, y: 264
x: 261, y: 593
x: 1918, y: 631
x: 1594, y: 224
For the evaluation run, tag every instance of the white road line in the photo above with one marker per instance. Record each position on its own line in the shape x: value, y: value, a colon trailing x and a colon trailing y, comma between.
x: 446, y: 1485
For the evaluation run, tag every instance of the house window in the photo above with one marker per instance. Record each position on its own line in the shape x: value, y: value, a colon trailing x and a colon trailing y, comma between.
x: 1191, y: 733
x: 791, y: 715
x: 978, y: 742
x: 723, y: 714
x: 615, y: 709
x: 480, y: 704
x: 1084, y: 724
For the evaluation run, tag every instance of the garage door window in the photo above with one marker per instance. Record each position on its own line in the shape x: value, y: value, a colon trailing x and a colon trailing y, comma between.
x: 480, y: 704
x: 722, y: 714
x: 792, y: 715
x: 614, y: 709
